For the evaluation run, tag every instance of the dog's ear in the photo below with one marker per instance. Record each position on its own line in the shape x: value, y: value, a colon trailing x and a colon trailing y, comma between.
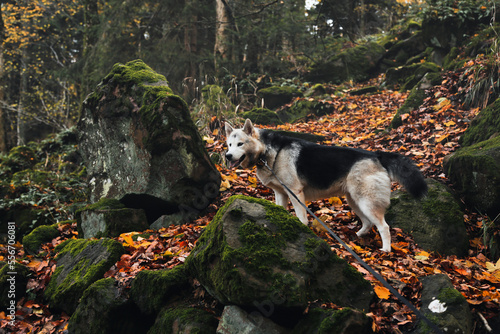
x: 248, y: 128
x: 229, y: 129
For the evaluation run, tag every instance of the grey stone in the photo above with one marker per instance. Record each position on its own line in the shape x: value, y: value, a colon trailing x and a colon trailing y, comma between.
x: 141, y: 147
x: 236, y: 320
x: 444, y: 306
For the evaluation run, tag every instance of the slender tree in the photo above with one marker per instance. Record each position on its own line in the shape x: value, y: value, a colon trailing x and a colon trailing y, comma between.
x: 3, y: 123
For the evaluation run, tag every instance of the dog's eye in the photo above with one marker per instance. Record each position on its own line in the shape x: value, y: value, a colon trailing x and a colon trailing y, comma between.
x: 239, y: 144
x: 230, y: 145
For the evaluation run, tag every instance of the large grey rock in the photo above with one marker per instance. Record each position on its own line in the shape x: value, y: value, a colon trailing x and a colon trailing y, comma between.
x: 141, y: 147
x: 79, y: 264
x: 256, y: 254
x: 435, y: 222
x: 444, y: 306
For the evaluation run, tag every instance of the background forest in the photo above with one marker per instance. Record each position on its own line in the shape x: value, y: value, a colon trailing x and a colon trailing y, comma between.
x: 53, y: 53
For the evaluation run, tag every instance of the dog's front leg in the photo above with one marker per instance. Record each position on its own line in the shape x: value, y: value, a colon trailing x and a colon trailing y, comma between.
x: 300, y: 211
x: 281, y: 198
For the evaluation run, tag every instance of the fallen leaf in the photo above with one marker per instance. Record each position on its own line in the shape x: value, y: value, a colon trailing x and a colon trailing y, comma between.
x: 382, y: 292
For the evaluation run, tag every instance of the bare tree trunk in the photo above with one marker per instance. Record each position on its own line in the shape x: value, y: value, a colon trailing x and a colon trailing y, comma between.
x: 223, y: 48
x: 191, y: 46
x: 3, y: 124
x: 21, y: 117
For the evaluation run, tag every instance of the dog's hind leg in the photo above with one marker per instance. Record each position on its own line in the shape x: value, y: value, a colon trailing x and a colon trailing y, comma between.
x: 368, y: 190
x: 366, y: 224
x: 374, y: 215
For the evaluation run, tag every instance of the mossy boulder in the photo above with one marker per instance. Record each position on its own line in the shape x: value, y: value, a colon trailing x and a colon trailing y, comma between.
x: 445, y: 306
x: 140, y: 146
x: 104, y: 308
x: 416, y: 97
x: 184, y: 320
x: 109, y: 218
x: 344, y: 321
x: 358, y: 63
x: 255, y: 252
x: 13, y: 280
x: 431, y: 220
x: 301, y: 108
x: 484, y: 126
x: 475, y: 174
x: 79, y: 264
x: 404, y: 47
x: 406, y: 77
x: 40, y: 235
x: 276, y: 96
x: 316, y: 90
x: 153, y: 290
x: 262, y: 116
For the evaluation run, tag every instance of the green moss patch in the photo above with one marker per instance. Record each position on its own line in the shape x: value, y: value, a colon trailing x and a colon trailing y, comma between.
x: 485, y: 126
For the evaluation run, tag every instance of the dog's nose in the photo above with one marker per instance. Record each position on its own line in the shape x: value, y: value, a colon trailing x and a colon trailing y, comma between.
x: 229, y: 156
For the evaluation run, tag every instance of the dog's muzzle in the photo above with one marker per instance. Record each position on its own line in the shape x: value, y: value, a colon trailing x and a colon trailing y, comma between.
x: 234, y: 163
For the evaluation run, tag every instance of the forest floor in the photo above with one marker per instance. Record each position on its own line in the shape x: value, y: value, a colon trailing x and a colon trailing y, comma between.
x: 427, y: 136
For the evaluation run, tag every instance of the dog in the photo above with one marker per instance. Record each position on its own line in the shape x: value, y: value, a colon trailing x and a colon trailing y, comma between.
x: 314, y: 171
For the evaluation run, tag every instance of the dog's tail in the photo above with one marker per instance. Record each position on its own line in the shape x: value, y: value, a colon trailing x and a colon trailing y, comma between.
x: 404, y: 171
